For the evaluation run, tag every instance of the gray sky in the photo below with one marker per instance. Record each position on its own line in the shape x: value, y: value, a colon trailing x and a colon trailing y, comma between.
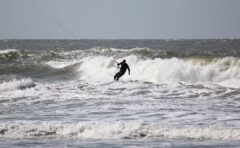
x: 119, y: 19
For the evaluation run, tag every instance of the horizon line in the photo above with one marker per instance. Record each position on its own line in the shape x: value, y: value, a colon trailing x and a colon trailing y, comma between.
x: 120, y: 39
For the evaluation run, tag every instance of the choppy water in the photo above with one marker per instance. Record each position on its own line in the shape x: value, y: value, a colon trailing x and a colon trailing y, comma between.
x: 179, y: 94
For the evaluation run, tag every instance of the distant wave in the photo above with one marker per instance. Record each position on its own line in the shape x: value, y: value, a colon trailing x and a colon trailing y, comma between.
x: 12, y: 54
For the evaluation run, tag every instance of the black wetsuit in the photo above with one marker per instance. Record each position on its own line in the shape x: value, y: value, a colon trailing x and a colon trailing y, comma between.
x: 124, y: 67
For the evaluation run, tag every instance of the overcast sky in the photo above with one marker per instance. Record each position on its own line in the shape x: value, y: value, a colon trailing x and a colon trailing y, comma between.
x: 119, y: 19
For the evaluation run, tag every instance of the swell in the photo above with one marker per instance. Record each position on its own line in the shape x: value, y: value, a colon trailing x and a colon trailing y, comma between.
x: 37, y: 71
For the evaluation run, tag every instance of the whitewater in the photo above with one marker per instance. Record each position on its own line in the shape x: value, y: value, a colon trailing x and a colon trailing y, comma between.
x: 57, y: 96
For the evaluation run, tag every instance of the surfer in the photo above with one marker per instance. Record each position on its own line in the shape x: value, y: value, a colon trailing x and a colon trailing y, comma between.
x: 123, y: 68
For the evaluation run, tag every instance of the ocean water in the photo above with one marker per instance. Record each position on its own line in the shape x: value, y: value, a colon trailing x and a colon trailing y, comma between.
x: 61, y: 93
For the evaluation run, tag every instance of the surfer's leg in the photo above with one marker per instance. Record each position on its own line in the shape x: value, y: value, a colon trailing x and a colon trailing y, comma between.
x: 120, y: 75
x: 116, y: 76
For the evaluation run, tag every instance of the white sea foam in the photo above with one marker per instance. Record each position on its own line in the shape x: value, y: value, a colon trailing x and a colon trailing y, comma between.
x: 97, y: 68
x: 61, y: 64
x: 233, y: 83
x: 6, y: 51
x: 218, y: 71
x: 113, y: 130
x: 104, y: 50
x: 17, y: 84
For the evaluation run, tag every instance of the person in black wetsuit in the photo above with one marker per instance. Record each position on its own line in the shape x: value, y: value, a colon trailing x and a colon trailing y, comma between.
x: 123, y: 68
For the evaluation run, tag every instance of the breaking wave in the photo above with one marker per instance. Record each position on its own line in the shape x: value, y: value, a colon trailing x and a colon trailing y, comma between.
x: 222, y: 71
x: 114, y: 130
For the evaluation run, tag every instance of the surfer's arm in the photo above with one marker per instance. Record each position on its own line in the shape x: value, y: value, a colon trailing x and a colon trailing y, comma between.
x: 119, y: 64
